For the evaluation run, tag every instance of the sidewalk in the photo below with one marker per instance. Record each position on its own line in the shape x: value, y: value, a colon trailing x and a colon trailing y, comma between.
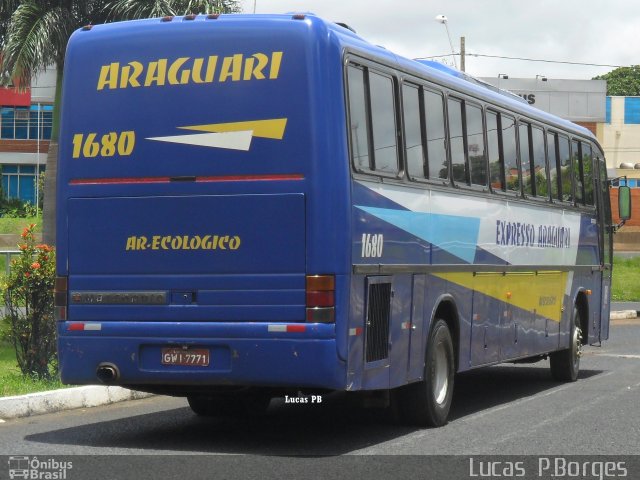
x: 65, y: 399
x: 93, y: 396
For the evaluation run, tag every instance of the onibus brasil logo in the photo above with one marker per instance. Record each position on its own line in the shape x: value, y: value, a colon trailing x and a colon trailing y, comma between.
x: 38, y: 469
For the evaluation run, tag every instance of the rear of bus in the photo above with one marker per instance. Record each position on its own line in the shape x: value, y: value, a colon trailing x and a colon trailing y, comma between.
x: 203, y: 210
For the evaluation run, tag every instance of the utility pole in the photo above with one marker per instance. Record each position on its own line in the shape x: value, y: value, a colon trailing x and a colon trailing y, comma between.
x: 462, y: 51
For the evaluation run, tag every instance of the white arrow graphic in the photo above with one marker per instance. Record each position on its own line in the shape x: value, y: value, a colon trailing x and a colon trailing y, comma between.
x: 229, y: 140
x: 230, y: 136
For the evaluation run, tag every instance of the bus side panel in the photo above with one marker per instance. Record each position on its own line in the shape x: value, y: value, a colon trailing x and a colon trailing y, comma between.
x: 419, y: 324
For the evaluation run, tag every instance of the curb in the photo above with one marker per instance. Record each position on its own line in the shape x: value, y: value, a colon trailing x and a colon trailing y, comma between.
x: 624, y: 314
x: 65, y: 399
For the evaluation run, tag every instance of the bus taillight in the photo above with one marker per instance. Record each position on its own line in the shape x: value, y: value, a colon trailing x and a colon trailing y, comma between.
x: 60, y: 298
x: 320, y: 294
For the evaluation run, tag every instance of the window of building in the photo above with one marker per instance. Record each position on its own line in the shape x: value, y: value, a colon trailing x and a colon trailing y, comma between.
x: 19, y: 181
x: 26, y: 123
x: 608, y: 110
x: 632, y: 110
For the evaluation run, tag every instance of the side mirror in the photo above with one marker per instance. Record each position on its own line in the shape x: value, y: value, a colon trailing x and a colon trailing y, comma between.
x: 624, y: 203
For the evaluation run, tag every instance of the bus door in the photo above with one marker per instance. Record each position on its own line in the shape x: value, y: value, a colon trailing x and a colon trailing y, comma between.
x: 601, y: 325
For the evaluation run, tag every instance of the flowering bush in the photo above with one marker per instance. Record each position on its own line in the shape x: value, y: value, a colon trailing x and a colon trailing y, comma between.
x: 28, y: 296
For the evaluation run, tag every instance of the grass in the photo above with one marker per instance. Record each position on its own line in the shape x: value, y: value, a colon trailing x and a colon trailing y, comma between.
x: 11, y: 380
x: 16, y: 225
x: 626, y: 280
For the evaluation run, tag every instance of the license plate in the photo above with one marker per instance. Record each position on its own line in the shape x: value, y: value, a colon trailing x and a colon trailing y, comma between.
x: 191, y: 357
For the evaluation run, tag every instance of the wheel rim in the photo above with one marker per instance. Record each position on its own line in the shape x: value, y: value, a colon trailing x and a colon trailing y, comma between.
x: 441, y: 374
x: 576, y: 344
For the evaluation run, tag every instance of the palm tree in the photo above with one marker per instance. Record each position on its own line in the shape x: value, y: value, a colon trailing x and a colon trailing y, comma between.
x: 34, y: 36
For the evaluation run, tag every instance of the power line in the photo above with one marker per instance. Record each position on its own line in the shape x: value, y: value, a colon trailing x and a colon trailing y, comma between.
x: 530, y: 60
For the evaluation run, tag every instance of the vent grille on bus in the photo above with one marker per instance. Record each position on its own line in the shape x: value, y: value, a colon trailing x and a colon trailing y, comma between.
x: 377, y: 327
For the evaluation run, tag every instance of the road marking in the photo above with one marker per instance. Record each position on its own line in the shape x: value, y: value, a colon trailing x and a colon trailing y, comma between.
x: 613, y: 355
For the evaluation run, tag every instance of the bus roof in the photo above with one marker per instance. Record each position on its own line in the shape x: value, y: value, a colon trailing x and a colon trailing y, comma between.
x: 455, y: 80
x: 345, y: 38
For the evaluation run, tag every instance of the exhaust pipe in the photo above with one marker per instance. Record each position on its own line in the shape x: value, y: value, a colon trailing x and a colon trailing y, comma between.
x: 108, y: 373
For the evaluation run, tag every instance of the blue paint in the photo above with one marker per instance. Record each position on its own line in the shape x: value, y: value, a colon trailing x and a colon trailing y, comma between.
x: 455, y: 235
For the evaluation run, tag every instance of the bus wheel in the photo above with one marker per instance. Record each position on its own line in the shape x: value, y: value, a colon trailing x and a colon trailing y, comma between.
x: 565, y: 364
x: 427, y: 403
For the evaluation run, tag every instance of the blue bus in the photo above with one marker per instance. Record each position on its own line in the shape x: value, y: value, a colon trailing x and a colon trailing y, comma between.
x: 252, y: 206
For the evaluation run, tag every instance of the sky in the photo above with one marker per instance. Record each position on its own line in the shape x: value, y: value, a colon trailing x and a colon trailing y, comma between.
x: 600, y: 32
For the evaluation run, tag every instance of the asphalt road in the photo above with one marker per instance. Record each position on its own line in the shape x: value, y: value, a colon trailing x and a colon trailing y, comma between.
x: 507, y: 409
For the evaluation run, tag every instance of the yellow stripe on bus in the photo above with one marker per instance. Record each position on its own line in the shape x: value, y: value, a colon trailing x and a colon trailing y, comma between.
x: 273, y: 128
x: 539, y: 291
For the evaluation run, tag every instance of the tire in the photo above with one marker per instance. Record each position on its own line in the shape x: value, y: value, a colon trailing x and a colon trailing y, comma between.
x: 427, y: 403
x: 253, y: 404
x: 565, y: 364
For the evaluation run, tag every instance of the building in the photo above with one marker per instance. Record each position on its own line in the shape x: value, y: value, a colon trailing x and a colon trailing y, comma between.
x: 25, y: 130
x: 580, y: 101
x: 619, y: 135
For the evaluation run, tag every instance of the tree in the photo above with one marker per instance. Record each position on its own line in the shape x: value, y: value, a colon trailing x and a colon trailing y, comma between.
x: 623, y: 81
x: 34, y: 36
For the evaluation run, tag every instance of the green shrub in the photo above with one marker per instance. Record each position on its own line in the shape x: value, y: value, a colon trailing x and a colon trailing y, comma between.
x: 16, y: 208
x: 28, y: 295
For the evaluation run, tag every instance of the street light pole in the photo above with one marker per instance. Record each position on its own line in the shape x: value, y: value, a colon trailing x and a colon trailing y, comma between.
x: 443, y: 19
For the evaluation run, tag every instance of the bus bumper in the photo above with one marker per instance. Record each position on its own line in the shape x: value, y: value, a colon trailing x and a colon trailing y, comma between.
x: 244, y: 354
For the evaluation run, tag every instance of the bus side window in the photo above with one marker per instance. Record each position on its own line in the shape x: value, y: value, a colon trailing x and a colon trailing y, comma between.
x: 578, y: 176
x: 541, y: 183
x: 383, y: 123
x: 475, y: 146
x: 358, y: 119
x: 526, y: 165
x: 414, y: 150
x: 436, y: 138
x: 564, y: 164
x: 510, y: 153
x: 456, y: 141
x: 496, y: 174
x: 587, y: 169
x: 552, y: 156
